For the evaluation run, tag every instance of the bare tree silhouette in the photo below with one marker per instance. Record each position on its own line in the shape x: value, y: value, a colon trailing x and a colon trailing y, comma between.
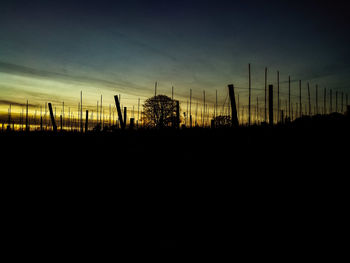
x: 159, y: 111
x: 222, y: 121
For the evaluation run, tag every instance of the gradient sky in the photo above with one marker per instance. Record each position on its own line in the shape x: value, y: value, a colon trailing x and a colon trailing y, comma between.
x: 51, y: 50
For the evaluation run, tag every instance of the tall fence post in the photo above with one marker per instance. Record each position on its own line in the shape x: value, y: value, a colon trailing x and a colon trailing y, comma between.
x: 336, y: 101
x: 342, y: 102
x: 234, y: 119
x: 27, y: 124
x: 265, y: 94
x: 271, y: 105
x: 316, y: 99
x: 330, y: 102
x: 125, y: 116
x: 122, y: 124
x: 325, y: 101
x: 250, y: 88
x: 177, y: 114
x: 87, y: 121
x: 278, y: 96
x: 300, y: 105
x: 289, y: 113
x: 309, y: 99
x: 53, y: 122
x: 132, y: 123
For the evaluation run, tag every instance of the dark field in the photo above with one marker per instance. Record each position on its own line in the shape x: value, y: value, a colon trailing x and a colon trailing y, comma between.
x: 257, y: 190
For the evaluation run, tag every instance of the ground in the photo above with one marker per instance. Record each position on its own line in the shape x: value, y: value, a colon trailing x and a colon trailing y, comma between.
x: 182, y: 189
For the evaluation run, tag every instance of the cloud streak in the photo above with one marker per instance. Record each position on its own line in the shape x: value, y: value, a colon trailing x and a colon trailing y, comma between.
x: 16, y: 103
x: 66, y: 77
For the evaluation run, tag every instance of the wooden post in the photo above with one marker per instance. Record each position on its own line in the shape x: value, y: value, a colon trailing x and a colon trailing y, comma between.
x: 87, y: 121
x: 249, y: 94
x: 173, y: 107
x: 265, y: 94
x: 27, y: 124
x: 9, y: 117
x: 216, y: 103
x: 81, y: 111
x: 282, y: 117
x: 34, y: 119
x: 138, y: 112
x: 63, y: 113
x: 177, y: 114
x: 234, y: 118
x: 61, y: 122
x: 300, y: 105
x: 53, y: 122
x: 325, y: 101
x: 132, y: 123
x: 122, y: 124
x: 190, y: 108
x: 203, y: 116
x: 186, y: 116
x: 41, y: 118
x: 308, y: 93
x: 238, y: 108
x: 289, y: 97
x: 242, y: 116
x: 316, y: 99
x: 271, y: 105
x: 125, y: 116
x: 155, y: 90
x: 22, y: 118
x: 110, y: 116
x: 278, y: 95
x: 196, y: 115
x: 97, y: 113
x: 101, y: 113
x: 257, y: 110
x: 330, y: 101
x: 336, y: 101
x: 286, y: 111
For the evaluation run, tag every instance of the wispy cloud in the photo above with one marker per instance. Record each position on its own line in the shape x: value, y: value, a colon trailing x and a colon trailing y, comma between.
x: 16, y: 103
x: 67, y: 77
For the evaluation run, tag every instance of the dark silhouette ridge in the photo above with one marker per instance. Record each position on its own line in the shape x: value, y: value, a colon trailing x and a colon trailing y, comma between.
x: 197, y: 187
x: 167, y: 244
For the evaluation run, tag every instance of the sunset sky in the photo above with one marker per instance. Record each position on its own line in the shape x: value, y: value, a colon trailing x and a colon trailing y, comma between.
x: 52, y: 50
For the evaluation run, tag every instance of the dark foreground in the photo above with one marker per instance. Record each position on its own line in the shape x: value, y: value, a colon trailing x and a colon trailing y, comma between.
x: 262, y: 192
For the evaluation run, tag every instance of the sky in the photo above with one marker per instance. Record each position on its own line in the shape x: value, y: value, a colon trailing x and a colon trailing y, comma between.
x: 50, y: 51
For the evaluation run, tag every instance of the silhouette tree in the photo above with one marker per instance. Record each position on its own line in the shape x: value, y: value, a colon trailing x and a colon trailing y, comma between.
x: 222, y: 121
x: 159, y: 111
